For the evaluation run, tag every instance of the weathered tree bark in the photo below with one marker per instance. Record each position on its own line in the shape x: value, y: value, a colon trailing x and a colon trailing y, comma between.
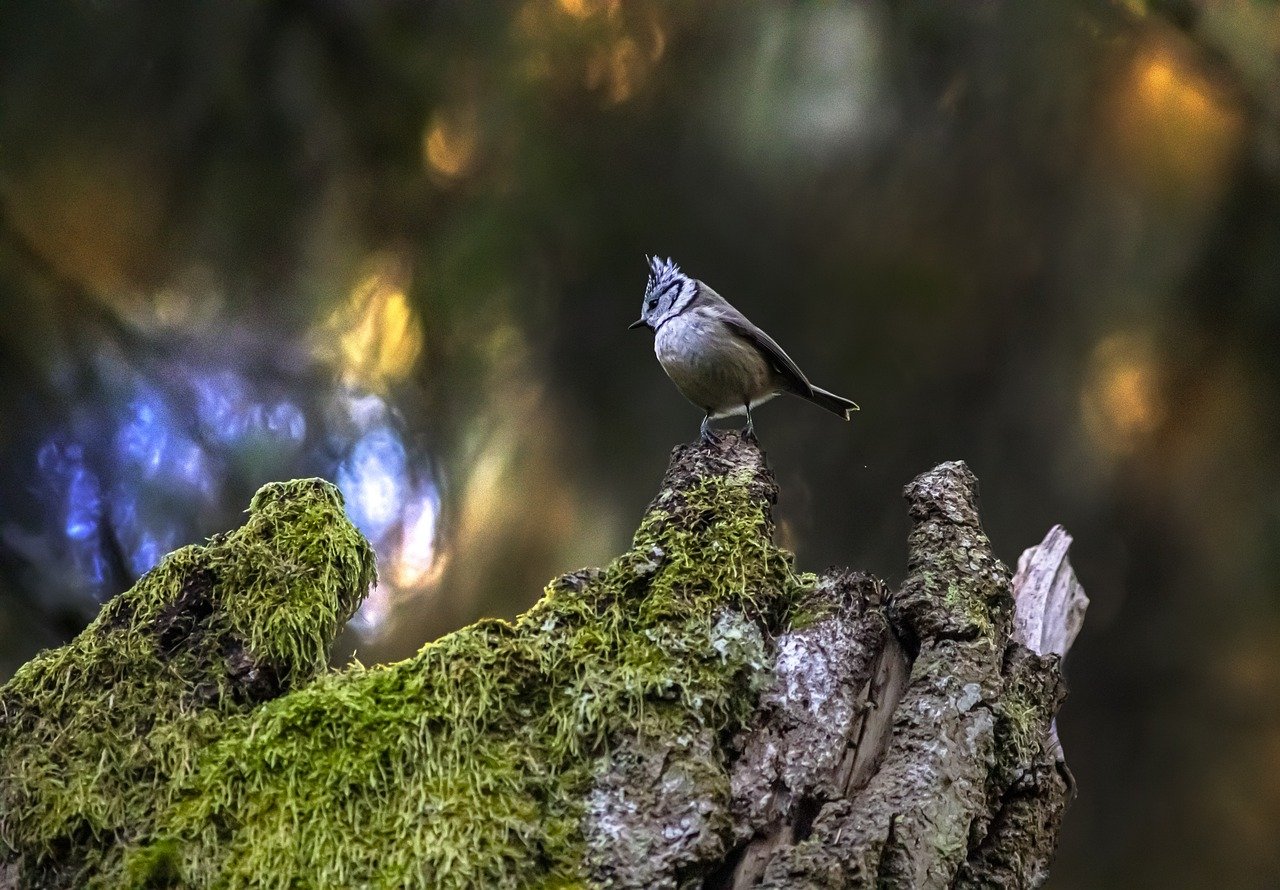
x: 696, y: 714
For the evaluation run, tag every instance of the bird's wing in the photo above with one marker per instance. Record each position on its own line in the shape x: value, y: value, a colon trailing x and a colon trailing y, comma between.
x: 781, y: 362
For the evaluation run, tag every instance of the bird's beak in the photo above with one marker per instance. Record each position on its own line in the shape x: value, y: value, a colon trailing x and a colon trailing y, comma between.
x: 638, y: 323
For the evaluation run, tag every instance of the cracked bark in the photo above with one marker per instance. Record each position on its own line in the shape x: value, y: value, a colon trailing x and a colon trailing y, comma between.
x: 908, y: 737
x: 939, y: 708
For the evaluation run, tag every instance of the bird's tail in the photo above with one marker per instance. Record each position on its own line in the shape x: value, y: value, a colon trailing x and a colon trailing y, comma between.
x: 832, y: 402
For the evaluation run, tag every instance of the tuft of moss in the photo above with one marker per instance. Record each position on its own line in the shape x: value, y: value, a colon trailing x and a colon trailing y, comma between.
x: 96, y: 737
x: 1024, y: 712
x: 471, y: 764
x: 973, y: 611
x: 1020, y: 726
x: 817, y: 603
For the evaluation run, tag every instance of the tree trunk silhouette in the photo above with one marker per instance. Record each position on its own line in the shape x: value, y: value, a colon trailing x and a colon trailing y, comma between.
x: 697, y: 713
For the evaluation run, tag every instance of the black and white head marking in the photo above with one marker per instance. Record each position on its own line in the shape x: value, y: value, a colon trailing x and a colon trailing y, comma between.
x: 668, y: 293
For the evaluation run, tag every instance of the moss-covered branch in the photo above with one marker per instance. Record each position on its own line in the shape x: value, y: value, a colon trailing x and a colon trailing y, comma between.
x: 101, y: 738
x: 696, y: 713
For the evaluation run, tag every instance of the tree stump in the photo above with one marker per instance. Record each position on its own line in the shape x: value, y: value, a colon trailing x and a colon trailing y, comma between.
x: 697, y: 713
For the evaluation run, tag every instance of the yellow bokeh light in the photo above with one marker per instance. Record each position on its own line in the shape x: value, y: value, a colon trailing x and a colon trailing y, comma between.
x: 450, y: 141
x: 659, y: 47
x: 375, y: 338
x: 584, y: 9
x: 612, y: 52
x: 579, y: 9
x: 1178, y: 128
x: 629, y: 67
x: 618, y: 69
x: 1122, y: 403
x: 1156, y: 78
x: 1128, y: 400
x: 1166, y: 90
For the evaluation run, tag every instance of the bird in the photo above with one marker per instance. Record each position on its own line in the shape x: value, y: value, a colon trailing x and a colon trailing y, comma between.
x: 715, y: 356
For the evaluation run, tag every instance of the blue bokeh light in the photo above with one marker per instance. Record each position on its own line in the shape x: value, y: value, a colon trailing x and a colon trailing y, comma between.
x: 373, y: 481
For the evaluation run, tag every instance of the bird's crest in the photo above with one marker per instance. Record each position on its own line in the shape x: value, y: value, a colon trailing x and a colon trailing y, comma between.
x: 660, y: 273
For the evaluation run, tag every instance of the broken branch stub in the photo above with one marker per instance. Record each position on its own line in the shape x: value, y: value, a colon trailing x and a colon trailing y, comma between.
x: 966, y: 790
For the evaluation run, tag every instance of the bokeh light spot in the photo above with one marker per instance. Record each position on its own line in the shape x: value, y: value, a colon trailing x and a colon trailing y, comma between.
x: 579, y: 9
x: 1177, y: 129
x: 415, y: 562
x: 1122, y: 402
x: 585, y: 9
x: 450, y: 141
x: 372, y: 480
x: 377, y: 333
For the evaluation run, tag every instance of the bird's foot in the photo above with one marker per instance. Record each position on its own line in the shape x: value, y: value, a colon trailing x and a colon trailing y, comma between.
x: 749, y: 434
x: 706, y: 434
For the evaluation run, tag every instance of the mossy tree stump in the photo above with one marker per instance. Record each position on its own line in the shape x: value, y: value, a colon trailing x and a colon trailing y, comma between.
x: 695, y: 714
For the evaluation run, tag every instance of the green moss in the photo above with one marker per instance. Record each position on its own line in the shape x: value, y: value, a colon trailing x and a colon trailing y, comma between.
x: 97, y: 736
x: 969, y: 606
x: 469, y: 764
x: 812, y: 605
x: 1021, y: 725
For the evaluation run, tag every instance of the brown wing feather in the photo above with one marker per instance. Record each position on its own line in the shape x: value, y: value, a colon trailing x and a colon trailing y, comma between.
x: 781, y: 362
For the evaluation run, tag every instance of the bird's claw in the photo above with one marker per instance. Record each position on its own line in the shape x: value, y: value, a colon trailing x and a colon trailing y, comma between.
x: 708, y: 437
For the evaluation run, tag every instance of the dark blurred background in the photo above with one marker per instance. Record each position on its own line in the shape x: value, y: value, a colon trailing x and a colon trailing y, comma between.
x: 398, y: 244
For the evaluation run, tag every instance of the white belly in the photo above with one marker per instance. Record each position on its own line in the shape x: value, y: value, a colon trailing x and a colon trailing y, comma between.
x: 716, y: 370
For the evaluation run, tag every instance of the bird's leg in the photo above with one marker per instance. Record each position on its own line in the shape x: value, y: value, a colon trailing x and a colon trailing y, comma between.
x: 707, y: 435
x: 750, y: 431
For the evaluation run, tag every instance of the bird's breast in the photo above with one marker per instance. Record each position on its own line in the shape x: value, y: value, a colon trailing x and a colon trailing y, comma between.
x: 711, y: 366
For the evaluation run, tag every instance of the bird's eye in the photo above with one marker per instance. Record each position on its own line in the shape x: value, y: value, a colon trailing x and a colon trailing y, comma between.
x: 653, y: 304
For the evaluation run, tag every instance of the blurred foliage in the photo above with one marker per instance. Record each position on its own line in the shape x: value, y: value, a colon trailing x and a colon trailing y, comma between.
x: 397, y: 245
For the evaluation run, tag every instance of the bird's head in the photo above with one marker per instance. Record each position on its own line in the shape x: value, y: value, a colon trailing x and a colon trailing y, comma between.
x: 666, y: 295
